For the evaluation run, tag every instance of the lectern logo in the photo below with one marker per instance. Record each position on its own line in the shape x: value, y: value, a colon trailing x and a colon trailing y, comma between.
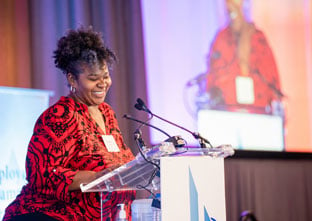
x: 194, y: 201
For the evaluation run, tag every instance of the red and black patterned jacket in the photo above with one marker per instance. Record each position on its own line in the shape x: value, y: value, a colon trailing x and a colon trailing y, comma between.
x: 224, y: 67
x: 65, y: 140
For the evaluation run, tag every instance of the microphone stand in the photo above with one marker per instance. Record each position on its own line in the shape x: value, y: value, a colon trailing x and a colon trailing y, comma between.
x: 146, y: 124
x: 140, y: 105
x: 270, y: 85
x: 176, y: 140
x: 202, y: 141
x: 223, y: 150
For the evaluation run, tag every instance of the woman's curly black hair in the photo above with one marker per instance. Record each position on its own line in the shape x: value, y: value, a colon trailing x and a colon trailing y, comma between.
x: 81, y: 46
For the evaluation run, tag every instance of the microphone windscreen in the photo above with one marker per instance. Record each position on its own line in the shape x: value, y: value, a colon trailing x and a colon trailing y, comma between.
x: 138, y: 107
x: 140, y: 101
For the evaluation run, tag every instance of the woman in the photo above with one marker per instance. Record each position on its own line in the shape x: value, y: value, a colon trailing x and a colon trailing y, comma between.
x: 242, y: 70
x: 74, y: 140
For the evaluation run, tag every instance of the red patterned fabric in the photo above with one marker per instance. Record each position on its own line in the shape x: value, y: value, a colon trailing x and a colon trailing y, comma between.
x: 66, y: 139
x: 224, y: 67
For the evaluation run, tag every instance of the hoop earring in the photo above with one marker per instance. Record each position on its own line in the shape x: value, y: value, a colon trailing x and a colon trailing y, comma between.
x: 72, y: 89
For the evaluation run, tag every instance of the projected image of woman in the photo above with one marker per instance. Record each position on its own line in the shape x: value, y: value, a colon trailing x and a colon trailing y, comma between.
x: 74, y: 140
x: 242, y: 71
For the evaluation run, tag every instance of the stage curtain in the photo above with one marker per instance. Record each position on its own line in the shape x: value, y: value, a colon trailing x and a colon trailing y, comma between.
x: 14, y: 44
x: 29, y: 32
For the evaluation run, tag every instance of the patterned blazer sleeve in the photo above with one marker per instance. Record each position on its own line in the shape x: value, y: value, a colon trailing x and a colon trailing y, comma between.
x: 54, y: 141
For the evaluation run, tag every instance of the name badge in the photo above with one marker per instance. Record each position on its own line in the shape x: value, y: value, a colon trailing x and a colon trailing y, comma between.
x: 244, y: 90
x: 110, y: 143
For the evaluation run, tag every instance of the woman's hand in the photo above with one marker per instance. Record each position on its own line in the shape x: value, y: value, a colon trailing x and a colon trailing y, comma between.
x: 82, y: 176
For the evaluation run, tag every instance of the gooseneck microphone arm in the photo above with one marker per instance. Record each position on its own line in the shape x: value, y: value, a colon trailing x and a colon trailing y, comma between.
x: 196, y: 135
x: 269, y: 84
x: 147, y: 124
x: 140, y: 105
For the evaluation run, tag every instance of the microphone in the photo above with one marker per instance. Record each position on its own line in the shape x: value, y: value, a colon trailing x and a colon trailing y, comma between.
x: 139, y: 140
x: 140, y: 105
x: 196, y: 135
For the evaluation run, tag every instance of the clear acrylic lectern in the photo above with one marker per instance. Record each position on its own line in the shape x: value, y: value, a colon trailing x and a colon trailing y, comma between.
x: 143, y: 171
